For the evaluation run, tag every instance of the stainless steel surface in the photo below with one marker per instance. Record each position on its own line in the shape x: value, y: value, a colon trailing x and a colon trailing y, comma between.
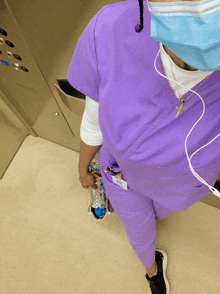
x: 37, y: 41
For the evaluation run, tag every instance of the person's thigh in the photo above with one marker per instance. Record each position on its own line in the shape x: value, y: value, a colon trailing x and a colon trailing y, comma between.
x: 137, y: 215
x: 160, y: 211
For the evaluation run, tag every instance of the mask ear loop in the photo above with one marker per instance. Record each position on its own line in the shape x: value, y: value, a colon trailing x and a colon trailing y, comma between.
x: 213, y: 190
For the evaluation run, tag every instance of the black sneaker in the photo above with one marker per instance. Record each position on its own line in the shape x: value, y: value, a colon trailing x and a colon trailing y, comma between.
x: 159, y: 283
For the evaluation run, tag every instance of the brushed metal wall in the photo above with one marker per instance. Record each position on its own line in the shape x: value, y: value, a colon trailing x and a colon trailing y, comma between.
x: 37, y: 41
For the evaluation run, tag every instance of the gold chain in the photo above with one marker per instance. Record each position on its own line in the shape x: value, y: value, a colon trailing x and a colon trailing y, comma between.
x: 181, y: 98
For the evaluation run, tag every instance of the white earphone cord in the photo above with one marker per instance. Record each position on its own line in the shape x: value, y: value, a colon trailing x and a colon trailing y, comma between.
x: 213, y: 190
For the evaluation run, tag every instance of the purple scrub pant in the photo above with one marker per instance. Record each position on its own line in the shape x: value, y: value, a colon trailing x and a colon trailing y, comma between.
x: 138, y: 214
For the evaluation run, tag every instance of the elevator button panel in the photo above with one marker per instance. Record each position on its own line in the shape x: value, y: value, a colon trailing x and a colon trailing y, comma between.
x: 9, y: 54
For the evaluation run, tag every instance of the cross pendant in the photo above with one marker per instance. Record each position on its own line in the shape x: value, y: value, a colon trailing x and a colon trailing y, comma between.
x: 180, y: 109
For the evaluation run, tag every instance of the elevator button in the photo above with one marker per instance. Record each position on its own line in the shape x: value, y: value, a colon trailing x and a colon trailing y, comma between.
x: 5, y: 62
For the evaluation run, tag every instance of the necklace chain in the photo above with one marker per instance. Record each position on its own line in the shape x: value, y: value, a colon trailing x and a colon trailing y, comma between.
x: 181, y: 98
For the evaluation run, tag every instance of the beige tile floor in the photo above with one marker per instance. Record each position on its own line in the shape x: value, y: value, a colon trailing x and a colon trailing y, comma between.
x: 50, y: 245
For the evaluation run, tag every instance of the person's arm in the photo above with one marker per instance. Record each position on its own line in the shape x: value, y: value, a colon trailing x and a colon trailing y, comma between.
x: 87, y: 153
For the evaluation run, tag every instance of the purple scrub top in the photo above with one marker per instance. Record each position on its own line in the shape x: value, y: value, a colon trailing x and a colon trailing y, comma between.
x: 114, y: 65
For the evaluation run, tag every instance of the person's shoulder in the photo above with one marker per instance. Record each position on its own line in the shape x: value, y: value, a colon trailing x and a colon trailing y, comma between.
x: 111, y: 12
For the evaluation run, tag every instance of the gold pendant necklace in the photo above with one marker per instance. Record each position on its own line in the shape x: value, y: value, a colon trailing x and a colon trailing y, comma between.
x: 180, y: 109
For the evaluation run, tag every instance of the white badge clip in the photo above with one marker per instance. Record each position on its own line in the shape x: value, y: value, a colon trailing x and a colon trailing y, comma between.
x: 119, y: 181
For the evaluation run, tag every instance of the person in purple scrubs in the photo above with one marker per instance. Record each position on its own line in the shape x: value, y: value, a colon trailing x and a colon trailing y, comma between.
x: 156, y: 88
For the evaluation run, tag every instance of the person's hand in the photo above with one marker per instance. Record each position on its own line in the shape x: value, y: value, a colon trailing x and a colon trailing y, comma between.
x: 89, y: 180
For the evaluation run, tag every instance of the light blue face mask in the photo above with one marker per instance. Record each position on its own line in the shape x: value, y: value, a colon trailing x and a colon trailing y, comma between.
x: 191, y: 30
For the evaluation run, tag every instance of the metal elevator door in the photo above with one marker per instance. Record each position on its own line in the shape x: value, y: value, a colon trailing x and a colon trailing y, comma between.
x: 37, y: 40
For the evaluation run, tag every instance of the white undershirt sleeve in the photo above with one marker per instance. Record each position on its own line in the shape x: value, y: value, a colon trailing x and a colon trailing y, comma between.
x: 90, y: 131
